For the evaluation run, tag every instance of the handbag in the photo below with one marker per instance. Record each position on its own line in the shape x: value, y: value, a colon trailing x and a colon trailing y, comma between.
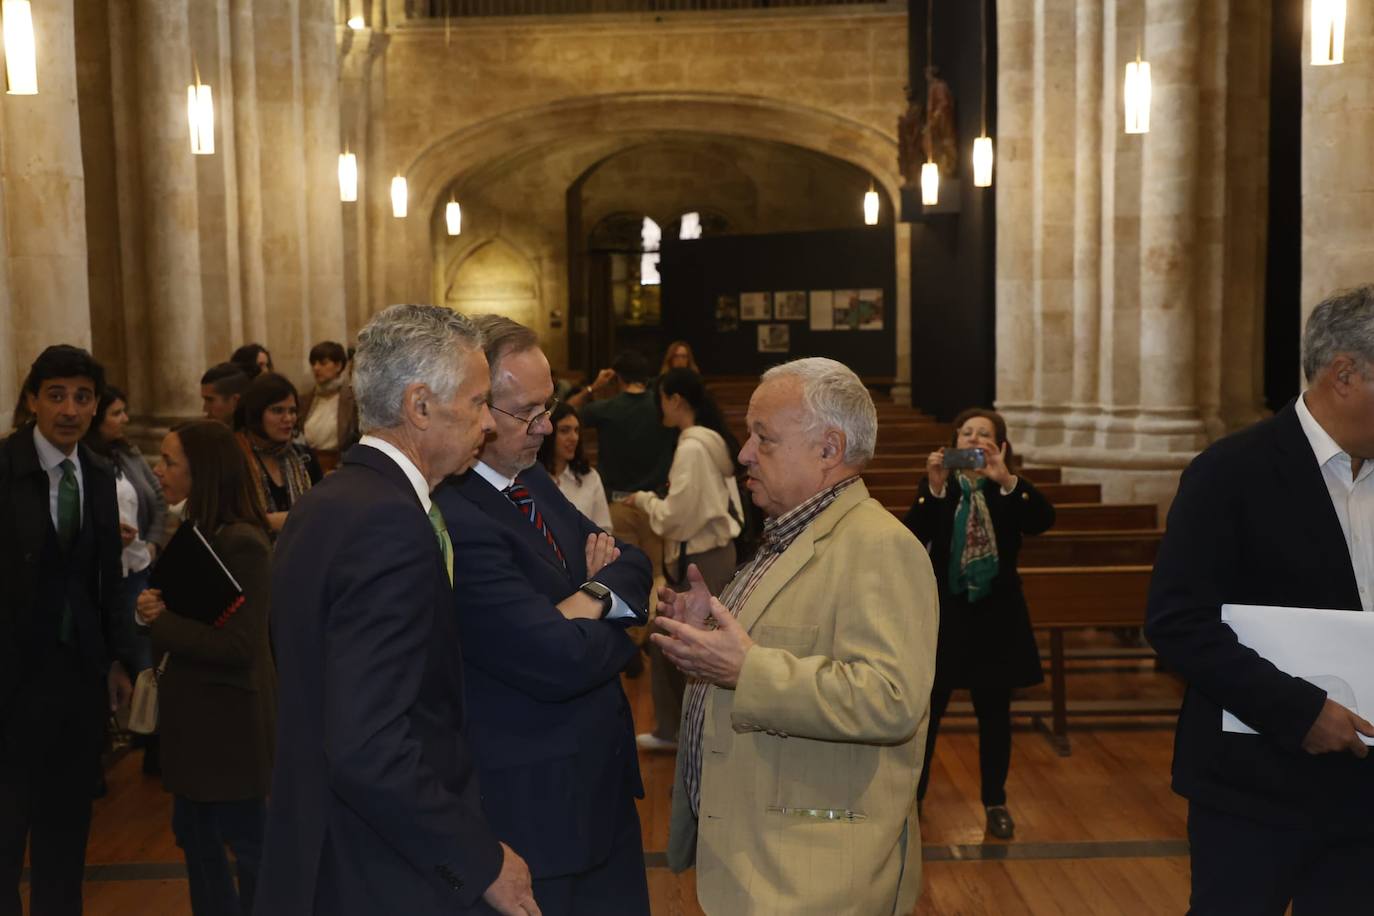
x: 143, y: 706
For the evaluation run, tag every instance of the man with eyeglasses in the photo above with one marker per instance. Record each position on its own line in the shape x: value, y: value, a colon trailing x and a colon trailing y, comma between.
x: 543, y: 598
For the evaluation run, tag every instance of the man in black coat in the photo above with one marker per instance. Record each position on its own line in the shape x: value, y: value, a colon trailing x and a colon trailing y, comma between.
x: 542, y: 601
x: 375, y: 806
x: 1280, y: 513
x: 61, y: 622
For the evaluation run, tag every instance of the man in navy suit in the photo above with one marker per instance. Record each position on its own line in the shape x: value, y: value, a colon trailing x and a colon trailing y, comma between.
x: 1281, y: 513
x: 375, y: 806
x: 63, y: 621
x: 542, y: 601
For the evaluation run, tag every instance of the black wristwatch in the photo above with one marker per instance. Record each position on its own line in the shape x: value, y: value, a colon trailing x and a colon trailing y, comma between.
x: 599, y: 592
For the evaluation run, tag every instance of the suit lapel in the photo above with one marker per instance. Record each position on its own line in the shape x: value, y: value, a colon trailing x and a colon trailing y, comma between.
x: 798, y: 554
x: 1301, y: 476
x: 497, y: 507
x: 31, y: 504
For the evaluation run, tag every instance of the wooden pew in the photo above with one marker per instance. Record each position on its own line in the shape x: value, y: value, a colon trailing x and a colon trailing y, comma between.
x: 1087, y: 516
x: 905, y: 492
x: 1091, y: 548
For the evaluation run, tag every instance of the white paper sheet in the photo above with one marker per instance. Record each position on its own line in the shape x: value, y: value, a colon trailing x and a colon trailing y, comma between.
x: 1332, y: 649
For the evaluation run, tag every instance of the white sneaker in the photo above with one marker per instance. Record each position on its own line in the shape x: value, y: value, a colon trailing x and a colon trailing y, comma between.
x: 648, y: 741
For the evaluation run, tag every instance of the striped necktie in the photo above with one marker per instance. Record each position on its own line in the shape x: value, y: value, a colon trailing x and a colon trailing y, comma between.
x: 519, y: 494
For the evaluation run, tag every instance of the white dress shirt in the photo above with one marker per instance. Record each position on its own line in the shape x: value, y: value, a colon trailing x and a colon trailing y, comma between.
x: 1353, y: 497
x: 417, y: 480
x: 502, y: 483
x: 50, y: 459
x: 588, y: 495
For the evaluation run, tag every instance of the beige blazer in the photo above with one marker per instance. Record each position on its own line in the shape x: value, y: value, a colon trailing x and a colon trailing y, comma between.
x: 810, y: 765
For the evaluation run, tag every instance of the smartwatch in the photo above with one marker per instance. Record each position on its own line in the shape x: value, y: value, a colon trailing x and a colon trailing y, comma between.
x: 599, y: 592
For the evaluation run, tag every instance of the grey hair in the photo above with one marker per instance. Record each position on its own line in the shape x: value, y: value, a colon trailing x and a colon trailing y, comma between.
x: 402, y: 345
x: 502, y: 336
x: 835, y: 398
x: 1342, y: 323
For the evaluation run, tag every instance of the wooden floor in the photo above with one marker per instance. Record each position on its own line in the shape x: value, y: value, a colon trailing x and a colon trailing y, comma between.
x: 1098, y: 832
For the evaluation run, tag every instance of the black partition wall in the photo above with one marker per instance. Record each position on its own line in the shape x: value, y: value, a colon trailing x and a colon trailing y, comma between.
x: 699, y: 274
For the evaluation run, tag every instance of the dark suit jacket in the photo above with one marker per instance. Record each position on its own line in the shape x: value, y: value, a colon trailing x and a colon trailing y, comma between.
x: 550, y: 722
x: 1253, y: 524
x: 988, y: 643
x: 375, y: 805
x: 38, y: 576
x: 217, y: 703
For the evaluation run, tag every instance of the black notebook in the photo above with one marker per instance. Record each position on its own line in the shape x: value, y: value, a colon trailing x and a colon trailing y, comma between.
x: 194, y: 581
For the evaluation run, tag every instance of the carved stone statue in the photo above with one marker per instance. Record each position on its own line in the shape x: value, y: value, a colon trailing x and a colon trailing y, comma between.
x: 941, y: 135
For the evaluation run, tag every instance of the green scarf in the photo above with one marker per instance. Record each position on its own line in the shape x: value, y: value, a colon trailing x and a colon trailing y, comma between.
x: 973, y: 548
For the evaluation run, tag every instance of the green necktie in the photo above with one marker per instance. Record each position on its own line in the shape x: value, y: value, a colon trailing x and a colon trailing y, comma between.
x: 68, y: 525
x: 445, y: 542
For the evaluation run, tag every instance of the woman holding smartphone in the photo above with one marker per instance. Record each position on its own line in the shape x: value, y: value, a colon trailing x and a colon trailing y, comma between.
x: 217, y: 696
x: 972, y: 518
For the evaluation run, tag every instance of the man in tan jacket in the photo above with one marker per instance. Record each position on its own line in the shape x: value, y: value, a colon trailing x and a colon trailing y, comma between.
x: 802, y: 730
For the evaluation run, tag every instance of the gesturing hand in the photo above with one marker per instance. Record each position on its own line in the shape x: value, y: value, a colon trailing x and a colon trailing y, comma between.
x: 601, y: 552
x: 1337, y: 729
x: 693, y: 606
x: 715, y: 656
x: 512, y: 894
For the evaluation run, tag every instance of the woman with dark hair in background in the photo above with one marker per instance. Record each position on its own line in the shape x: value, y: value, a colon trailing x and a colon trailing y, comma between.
x: 281, y: 471
x: 698, y: 520
x: 217, y: 698
x: 972, y: 521
x: 253, y: 358
x: 328, y: 413
x: 561, y: 455
x: 142, y: 507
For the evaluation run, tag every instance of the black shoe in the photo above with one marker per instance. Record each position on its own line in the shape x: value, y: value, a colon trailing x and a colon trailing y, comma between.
x: 1000, y: 823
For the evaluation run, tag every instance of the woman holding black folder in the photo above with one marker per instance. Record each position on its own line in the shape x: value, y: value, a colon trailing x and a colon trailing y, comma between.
x: 217, y: 696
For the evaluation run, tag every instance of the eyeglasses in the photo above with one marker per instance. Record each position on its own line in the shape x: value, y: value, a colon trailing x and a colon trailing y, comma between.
x: 530, y: 422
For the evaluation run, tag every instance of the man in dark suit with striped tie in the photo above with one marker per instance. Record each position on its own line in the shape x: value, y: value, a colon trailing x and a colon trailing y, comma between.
x: 543, y: 598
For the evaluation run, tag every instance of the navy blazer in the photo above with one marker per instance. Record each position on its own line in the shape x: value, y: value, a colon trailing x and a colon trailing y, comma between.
x: 40, y: 577
x: 1253, y: 523
x: 550, y: 722
x: 375, y: 806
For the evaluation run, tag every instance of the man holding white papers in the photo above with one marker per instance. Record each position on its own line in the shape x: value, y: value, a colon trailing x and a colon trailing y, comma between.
x: 1281, y: 513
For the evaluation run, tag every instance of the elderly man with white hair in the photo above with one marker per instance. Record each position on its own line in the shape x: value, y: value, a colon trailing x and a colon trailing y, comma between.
x: 805, y: 720
x: 375, y: 804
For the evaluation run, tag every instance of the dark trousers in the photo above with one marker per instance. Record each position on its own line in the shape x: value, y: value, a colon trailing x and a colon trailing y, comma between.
x: 1244, y: 866
x: 618, y: 886
x: 992, y: 706
x: 51, y: 765
x: 202, y: 831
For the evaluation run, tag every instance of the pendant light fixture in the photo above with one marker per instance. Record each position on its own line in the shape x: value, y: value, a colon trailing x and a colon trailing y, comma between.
x: 200, y: 114
x: 453, y: 217
x: 355, y: 16
x: 982, y: 146
x: 21, y: 63
x: 1328, y: 32
x: 1138, y: 92
x: 930, y: 172
x: 400, y: 197
x: 871, y: 205
x: 348, y: 177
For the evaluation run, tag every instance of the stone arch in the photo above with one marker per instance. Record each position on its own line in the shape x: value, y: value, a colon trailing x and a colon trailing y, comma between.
x: 493, y: 276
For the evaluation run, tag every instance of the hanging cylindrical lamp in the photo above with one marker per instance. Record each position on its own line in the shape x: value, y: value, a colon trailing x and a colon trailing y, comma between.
x: 930, y: 184
x: 1137, y: 96
x: 453, y: 217
x: 871, y: 206
x: 348, y: 177
x: 982, y: 146
x: 21, y: 57
x: 400, y: 197
x: 1328, y: 32
x: 200, y: 114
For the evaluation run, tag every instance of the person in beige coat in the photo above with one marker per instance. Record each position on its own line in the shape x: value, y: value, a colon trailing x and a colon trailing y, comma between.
x: 804, y: 724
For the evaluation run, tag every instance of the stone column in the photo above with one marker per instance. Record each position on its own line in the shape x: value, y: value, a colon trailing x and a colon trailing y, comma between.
x: 1087, y: 220
x: 1015, y: 173
x: 326, y: 319
x: 45, y: 206
x: 248, y: 175
x: 175, y: 316
x: 1168, y: 420
x: 1337, y: 183
x: 901, y: 387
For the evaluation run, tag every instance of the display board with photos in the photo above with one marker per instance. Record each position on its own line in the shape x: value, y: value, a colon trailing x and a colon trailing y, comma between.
x: 822, y: 309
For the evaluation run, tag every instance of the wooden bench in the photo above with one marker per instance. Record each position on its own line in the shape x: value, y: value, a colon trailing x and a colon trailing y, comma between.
x: 905, y: 493
x: 1091, y: 548
x: 1086, y: 516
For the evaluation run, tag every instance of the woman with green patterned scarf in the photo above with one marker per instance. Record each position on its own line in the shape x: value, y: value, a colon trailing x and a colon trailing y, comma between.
x: 972, y: 522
